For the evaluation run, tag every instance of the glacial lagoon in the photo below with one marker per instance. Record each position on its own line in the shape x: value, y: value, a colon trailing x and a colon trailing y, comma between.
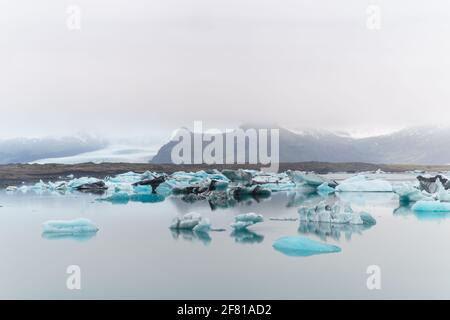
x: 134, y: 254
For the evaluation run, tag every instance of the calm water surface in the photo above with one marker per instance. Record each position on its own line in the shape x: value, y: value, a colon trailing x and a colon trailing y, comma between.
x: 134, y: 255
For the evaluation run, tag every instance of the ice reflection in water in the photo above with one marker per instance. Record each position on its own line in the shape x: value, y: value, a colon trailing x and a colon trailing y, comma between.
x: 405, y: 210
x: 79, y: 236
x: 247, y: 237
x: 331, y: 230
x: 191, y: 236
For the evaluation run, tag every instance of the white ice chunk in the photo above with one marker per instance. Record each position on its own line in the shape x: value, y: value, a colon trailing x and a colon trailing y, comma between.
x: 306, y: 178
x: 442, y: 194
x: 337, y: 213
x: 407, y: 192
x: 242, y: 221
x: 325, y: 189
x: 191, y: 221
x: 203, y: 226
x: 362, y: 183
x: 80, y: 225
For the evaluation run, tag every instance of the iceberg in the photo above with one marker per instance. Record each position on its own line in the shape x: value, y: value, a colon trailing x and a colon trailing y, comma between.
x: 241, y: 176
x: 362, y: 183
x: 153, y: 183
x: 242, y: 221
x: 429, y: 183
x: 325, y: 189
x: 75, y: 226
x: 302, y: 247
x: 306, y: 178
x: 125, y: 197
x: 78, y: 182
x: 94, y: 187
x: 431, y: 206
x: 255, y: 190
x: 407, y: 192
x: 337, y: 213
x: 202, y: 226
x: 442, y: 193
x: 191, y: 221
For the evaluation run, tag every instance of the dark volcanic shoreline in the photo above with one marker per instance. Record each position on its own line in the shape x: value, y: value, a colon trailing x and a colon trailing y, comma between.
x: 15, y: 174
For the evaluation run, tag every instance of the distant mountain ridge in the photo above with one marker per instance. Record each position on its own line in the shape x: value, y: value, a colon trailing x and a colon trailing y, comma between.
x: 24, y: 150
x: 419, y: 145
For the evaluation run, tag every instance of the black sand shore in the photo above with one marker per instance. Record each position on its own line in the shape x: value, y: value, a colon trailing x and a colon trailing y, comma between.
x: 15, y: 174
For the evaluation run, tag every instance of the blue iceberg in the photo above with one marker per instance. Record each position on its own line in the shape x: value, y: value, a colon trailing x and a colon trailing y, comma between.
x: 431, y: 206
x: 325, y: 189
x: 302, y: 247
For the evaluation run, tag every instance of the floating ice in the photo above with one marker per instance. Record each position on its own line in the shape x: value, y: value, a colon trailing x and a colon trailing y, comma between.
x: 325, y: 189
x: 306, y: 178
x: 431, y: 206
x: 337, y: 213
x: 78, y: 182
x: 429, y: 183
x: 442, y: 193
x: 191, y: 221
x: 242, y: 221
x: 202, y: 226
x: 150, y: 184
x: 362, y: 183
x: 250, y: 191
x: 241, y: 176
x: 124, y: 198
x: 407, y: 192
x: 302, y: 247
x: 75, y: 226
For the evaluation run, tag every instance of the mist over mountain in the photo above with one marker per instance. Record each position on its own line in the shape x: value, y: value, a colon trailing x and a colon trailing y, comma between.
x: 419, y: 145
x: 23, y: 150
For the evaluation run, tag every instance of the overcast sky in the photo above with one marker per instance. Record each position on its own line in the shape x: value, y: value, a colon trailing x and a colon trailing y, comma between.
x: 145, y: 67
